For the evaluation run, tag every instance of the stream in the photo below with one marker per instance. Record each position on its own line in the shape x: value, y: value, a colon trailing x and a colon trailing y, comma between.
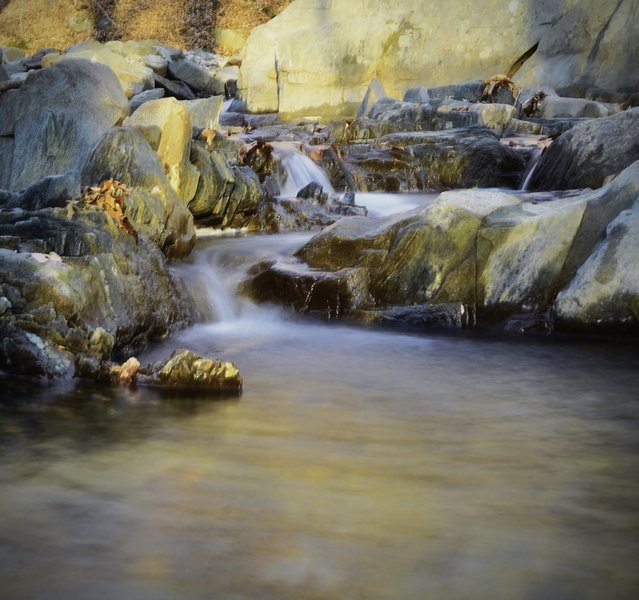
x: 357, y: 463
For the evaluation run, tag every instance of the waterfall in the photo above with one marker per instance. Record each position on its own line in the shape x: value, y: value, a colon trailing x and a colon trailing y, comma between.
x: 299, y: 170
x: 530, y: 169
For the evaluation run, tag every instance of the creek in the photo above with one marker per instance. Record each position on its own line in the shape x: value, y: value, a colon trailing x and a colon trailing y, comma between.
x: 358, y: 463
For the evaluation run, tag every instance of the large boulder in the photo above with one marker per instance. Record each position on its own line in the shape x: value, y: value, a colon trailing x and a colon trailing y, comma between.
x: 125, y: 60
x: 154, y: 208
x: 319, y: 55
x: 51, y: 124
x: 589, y: 153
x: 77, y: 285
x: 167, y: 123
x: 604, y: 295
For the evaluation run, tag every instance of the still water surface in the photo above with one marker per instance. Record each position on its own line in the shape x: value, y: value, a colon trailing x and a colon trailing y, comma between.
x: 356, y: 464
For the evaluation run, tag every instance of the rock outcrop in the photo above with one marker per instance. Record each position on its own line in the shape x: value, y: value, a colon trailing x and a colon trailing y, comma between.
x: 319, y: 56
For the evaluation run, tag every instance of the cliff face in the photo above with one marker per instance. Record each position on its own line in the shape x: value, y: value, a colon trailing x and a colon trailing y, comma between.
x: 322, y: 54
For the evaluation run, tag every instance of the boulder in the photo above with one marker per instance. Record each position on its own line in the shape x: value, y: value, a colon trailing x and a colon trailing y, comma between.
x: 494, y: 116
x: 205, y: 112
x: 589, y: 153
x: 56, y: 118
x: 554, y: 107
x: 374, y: 93
x: 154, y: 208
x: 170, y: 119
x: 146, y: 96
x: 175, y: 89
x: 52, y: 191
x: 440, y: 160
x: 196, y: 76
x: 71, y: 276
x: 604, y: 294
x: 187, y: 370
x: 128, y: 67
x: 319, y: 57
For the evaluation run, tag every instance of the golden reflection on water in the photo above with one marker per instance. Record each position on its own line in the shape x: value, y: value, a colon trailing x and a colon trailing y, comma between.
x: 519, y: 482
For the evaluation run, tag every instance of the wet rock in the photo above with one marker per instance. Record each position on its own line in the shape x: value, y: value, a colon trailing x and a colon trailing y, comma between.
x: 589, y: 153
x: 55, y: 119
x: 325, y: 294
x: 172, y: 121
x: 454, y: 315
x: 187, y: 370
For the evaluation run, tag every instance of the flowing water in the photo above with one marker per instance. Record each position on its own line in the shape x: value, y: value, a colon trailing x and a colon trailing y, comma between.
x: 357, y: 463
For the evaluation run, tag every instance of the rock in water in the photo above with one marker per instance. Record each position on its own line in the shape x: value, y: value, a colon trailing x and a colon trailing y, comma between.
x: 186, y: 369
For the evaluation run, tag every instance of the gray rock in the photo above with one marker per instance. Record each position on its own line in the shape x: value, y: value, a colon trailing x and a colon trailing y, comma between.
x: 374, y: 93
x: 589, y: 153
x: 417, y: 95
x: 196, y: 76
x: 205, y: 112
x: 139, y: 99
x: 176, y: 89
x: 56, y: 118
x: 52, y: 191
x: 156, y: 63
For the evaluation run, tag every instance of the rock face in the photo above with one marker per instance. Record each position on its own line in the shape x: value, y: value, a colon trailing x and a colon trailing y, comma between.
x: 498, y: 254
x: 589, y: 153
x: 320, y: 55
x: 50, y: 125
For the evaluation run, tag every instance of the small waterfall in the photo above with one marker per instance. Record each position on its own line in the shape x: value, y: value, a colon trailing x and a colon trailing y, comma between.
x: 299, y: 170
x: 530, y: 169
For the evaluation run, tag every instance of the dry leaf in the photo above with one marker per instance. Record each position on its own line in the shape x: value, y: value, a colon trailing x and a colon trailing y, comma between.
x: 109, y: 197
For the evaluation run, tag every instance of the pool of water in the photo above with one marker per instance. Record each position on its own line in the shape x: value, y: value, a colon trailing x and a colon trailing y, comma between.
x: 357, y: 463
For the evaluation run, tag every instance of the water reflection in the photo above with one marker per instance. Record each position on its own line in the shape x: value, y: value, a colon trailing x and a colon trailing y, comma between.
x: 357, y: 464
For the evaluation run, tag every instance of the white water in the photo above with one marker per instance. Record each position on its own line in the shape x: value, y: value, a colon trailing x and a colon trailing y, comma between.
x: 300, y: 170
x: 530, y: 169
x: 381, y: 204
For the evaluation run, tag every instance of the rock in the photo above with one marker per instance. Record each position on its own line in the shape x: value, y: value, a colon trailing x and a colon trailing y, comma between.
x: 318, y: 56
x: 152, y: 206
x: 469, y: 91
x: 328, y: 295
x: 171, y: 119
x: 129, y: 68
x: 416, y: 95
x: 175, y: 89
x: 457, y: 158
x: 71, y: 277
x: 589, y: 153
x: 157, y: 63
x: 604, y: 295
x: 493, y: 116
x: 11, y: 54
x: 146, y: 96
x: 52, y: 191
x: 188, y: 370
x: 56, y: 118
x: 205, y: 112
x: 454, y: 315
x: 553, y: 107
x: 374, y: 93
x: 196, y: 76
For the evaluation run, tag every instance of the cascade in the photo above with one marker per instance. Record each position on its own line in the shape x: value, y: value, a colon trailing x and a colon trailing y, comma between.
x: 299, y: 170
x: 530, y: 169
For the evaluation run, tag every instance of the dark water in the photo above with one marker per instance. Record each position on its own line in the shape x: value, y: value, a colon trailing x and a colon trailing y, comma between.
x: 356, y: 464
